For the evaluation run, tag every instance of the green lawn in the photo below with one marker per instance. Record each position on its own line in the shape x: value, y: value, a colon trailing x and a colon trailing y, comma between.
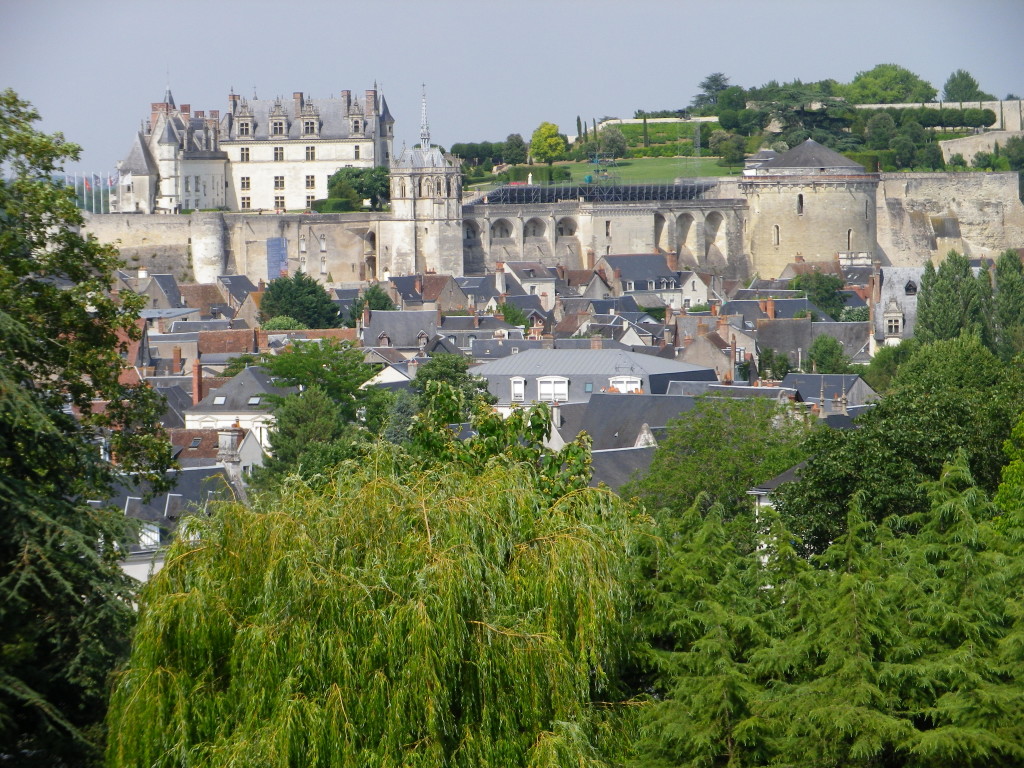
x: 641, y: 170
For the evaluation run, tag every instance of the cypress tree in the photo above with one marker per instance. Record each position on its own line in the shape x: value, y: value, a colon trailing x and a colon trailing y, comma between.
x: 949, y: 301
x: 1008, y: 306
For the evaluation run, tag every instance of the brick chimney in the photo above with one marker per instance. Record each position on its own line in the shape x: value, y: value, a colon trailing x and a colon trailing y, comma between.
x: 371, y: 103
x: 197, y: 382
x: 418, y: 285
x: 597, y: 341
x: 186, y: 109
x: 687, y: 340
x: 723, y: 321
x: 346, y: 100
x: 176, y: 359
x: 770, y: 308
x: 297, y: 103
x: 366, y: 315
x: 714, y: 309
x: 560, y: 271
x: 233, y: 99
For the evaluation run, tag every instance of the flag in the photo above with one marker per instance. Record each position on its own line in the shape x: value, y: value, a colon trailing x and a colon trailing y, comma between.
x: 87, y: 185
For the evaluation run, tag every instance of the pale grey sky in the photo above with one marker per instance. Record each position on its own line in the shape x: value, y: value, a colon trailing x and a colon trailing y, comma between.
x: 491, y: 68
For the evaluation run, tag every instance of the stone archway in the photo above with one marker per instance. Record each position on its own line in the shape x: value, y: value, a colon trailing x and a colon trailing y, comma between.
x: 660, y: 233
x: 473, y: 255
x: 501, y: 229
x: 716, y: 247
x: 369, y: 256
x: 687, y: 248
x: 534, y: 228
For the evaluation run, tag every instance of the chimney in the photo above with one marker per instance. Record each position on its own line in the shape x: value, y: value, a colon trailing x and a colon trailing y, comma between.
x: 688, y: 340
x: 476, y: 320
x: 143, y: 273
x: 233, y: 102
x: 215, y: 114
x: 560, y: 271
x: 440, y: 317
x: 597, y: 341
x: 618, y: 273
x: 297, y: 102
x: 227, y: 453
x: 702, y: 328
x: 176, y: 359
x: 672, y: 261
x: 366, y: 315
x: 346, y: 101
x: 763, y: 305
x: 547, y: 341
x: 799, y: 259
x: 668, y: 314
x: 499, y: 278
x: 770, y: 308
x: 200, y: 113
x: 186, y: 109
x: 261, y: 285
x: 371, y: 103
x: 418, y: 285
x: 197, y: 382
x: 723, y: 321
x: 714, y: 309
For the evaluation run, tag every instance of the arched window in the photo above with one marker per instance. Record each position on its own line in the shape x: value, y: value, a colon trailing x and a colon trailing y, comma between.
x: 776, y: 234
x: 800, y: 205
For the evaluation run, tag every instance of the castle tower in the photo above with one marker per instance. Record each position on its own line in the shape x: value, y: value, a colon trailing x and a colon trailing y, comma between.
x: 809, y: 204
x: 425, y: 230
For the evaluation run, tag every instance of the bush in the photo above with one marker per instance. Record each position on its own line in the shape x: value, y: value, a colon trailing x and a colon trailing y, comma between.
x: 332, y: 205
x: 541, y: 173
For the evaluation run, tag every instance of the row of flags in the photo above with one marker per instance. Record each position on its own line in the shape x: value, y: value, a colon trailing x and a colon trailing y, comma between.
x: 93, y: 190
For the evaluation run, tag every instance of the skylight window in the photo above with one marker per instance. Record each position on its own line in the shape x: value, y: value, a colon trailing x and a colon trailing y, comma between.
x: 254, y: 400
x: 195, y: 442
x: 219, y: 400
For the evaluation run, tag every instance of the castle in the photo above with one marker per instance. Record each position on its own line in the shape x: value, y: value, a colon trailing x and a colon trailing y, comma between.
x: 807, y: 204
x: 262, y: 154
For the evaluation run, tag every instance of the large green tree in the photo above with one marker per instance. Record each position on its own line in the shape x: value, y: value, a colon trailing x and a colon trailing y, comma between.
x: 949, y: 395
x: 950, y: 301
x: 373, y: 297
x: 887, y: 84
x: 720, y: 449
x: 65, y: 605
x: 961, y: 86
x: 301, y: 297
x: 371, y: 184
x: 710, y: 87
x: 514, y: 150
x: 546, y: 145
x: 453, y: 370
x: 452, y: 613
x: 1008, y: 306
x: 827, y: 356
x: 824, y: 291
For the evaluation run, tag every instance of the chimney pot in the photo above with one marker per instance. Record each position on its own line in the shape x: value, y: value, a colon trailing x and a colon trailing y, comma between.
x: 176, y: 359
x: 197, y: 382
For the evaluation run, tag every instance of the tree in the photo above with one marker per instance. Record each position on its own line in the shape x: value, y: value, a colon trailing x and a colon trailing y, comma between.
x: 302, y: 298
x: 949, y: 301
x: 710, y: 87
x: 514, y: 151
x: 880, y: 130
x: 887, y: 84
x: 1014, y: 153
x: 886, y: 361
x: 371, y: 184
x: 824, y: 291
x: 284, y: 323
x: 949, y: 395
x: 373, y: 297
x: 613, y: 142
x: 453, y: 370
x: 513, y: 315
x: 546, y: 145
x: 904, y: 151
x: 826, y: 355
x: 1008, y: 306
x: 452, y: 615
x: 65, y: 604
x: 732, y: 150
x: 721, y: 448
x: 343, y: 196
x: 961, y: 86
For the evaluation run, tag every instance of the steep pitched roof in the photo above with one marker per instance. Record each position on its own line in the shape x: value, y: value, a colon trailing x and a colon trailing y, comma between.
x: 813, y: 156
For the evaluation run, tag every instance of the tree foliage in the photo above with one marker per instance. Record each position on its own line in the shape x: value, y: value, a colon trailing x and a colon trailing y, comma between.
x: 514, y: 151
x: 961, y: 86
x: 456, y: 614
x: 824, y: 291
x: 949, y: 301
x: 453, y: 370
x: 613, y: 142
x: 374, y: 297
x: 371, y: 184
x: 887, y: 84
x: 301, y: 297
x: 720, y: 449
x: 710, y: 87
x: 546, y: 145
x: 827, y: 356
x: 65, y: 604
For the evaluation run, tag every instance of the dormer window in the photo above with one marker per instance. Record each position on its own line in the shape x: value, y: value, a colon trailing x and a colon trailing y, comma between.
x: 277, y: 128
x: 244, y: 128
x: 355, y: 126
x: 309, y: 127
x: 910, y: 289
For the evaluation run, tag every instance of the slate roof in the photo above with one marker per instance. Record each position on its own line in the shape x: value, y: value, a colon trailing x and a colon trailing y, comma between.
x: 139, y: 160
x: 402, y: 327
x: 207, y: 297
x: 177, y: 399
x: 814, y: 157
x: 615, y: 420
x: 237, y: 392
x: 332, y: 114
x: 616, y: 467
x: 893, y: 283
x: 642, y: 267
x: 569, y: 362
x: 237, y: 286
x: 835, y: 385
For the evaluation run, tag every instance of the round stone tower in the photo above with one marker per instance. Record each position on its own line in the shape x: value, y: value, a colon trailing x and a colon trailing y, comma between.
x: 808, y: 204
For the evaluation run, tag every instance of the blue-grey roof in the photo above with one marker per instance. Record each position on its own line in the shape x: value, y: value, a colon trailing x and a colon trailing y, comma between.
x: 568, y: 362
x: 835, y: 385
x: 249, y: 383
x: 642, y: 267
x: 403, y: 328
x: 238, y: 286
x: 332, y: 115
x: 815, y: 158
x: 616, y: 467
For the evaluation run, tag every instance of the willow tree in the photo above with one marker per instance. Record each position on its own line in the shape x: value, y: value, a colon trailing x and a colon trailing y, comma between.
x: 440, y: 617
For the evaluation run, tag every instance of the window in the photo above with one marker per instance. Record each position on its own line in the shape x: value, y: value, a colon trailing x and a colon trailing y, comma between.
x: 323, y: 243
x: 187, y: 187
x: 355, y: 125
x: 892, y: 326
x: 311, y: 153
x: 356, y: 155
x: 277, y: 128
x: 588, y: 387
x: 650, y: 285
x: 279, y: 202
x: 246, y: 203
x: 244, y: 128
x: 629, y: 285
x: 308, y: 128
x: 624, y: 383
x: 518, y: 389
x: 800, y: 205
x: 910, y: 289
x: 219, y: 400
x: 278, y: 154
x: 254, y: 400
x: 607, y: 229
x: 323, y: 265
x: 243, y: 154
x: 553, y: 389
x: 776, y: 234
x: 196, y: 442
x: 246, y: 182
x: 311, y: 182
x: 302, y: 243
x: 149, y: 536
x: 279, y: 182
x: 310, y: 199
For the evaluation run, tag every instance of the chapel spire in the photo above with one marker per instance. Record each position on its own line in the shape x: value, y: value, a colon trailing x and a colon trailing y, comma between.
x: 424, y: 125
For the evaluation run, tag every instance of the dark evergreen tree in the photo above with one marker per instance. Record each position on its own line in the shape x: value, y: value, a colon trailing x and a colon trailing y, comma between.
x: 1008, y: 306
x: 949, y: 301
x: 301, y: 297
x: 373, y: 297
